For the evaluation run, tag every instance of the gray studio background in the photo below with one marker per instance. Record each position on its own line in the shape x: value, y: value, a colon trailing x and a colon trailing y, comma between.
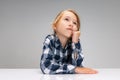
x: 25, y: 23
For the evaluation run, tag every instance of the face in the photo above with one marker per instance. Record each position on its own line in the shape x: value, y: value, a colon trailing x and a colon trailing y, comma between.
x: 66, y: 25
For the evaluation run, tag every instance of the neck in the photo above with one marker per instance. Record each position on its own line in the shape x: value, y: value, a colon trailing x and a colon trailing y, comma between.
x: 63, y: 40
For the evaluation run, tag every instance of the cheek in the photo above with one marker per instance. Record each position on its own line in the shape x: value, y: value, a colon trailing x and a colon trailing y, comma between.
x: 75, y: 28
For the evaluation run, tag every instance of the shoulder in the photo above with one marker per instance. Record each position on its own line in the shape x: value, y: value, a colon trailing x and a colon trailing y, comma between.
x: 49, y: 38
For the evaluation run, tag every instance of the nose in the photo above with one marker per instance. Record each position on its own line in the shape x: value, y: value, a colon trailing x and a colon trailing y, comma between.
x: 70, y: 24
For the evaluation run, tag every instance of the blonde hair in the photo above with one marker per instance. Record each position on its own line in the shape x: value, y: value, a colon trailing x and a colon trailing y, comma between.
x: 58, y: 17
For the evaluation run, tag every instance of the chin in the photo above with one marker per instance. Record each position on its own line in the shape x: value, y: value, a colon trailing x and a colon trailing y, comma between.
x: 69, y: 36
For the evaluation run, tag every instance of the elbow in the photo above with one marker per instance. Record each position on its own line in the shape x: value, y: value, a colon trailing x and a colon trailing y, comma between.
x: 44, y: 70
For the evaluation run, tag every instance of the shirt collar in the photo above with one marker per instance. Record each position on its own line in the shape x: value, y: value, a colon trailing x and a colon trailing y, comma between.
x: 58, y: 43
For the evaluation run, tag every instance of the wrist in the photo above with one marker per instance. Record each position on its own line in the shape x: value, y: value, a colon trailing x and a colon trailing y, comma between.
x: 75, y: 41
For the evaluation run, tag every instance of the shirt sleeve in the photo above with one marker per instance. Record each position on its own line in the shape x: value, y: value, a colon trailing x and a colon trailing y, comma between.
x: 49, y: 66
x: 77, y: 55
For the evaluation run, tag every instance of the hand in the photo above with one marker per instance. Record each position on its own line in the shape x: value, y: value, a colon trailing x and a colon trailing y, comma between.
x: 84, y: 70
x: 75, y: 36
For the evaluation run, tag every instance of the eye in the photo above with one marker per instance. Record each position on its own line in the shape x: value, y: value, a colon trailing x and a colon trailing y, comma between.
x: 75, y: 23
x: 66, y: 19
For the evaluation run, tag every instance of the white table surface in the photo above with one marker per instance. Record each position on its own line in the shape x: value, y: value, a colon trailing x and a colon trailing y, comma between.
x: 35, y: 74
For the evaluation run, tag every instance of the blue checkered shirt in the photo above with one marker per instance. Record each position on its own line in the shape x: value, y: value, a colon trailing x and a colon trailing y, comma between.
x: 58, y: 60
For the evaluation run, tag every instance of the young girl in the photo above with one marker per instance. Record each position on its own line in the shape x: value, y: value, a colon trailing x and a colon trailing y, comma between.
x: 62, y: 53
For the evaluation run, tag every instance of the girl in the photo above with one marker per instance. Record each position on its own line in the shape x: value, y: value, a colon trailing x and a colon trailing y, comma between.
x: 62, y: 53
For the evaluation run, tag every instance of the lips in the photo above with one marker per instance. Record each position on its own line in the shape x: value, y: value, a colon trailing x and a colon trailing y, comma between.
x: 69, y: 29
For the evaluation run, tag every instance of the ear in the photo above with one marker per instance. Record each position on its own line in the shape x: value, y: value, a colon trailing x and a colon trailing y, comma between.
x: 54, y: 27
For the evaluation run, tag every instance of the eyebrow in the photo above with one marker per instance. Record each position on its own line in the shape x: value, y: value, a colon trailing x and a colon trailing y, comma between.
x: 70, y: 17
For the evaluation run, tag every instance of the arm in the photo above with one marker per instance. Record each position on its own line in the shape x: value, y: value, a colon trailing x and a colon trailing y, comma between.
x: 77, y: 51
x: 77, y: 55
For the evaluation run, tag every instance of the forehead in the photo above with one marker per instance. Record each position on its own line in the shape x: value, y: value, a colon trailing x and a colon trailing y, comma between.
x: 69, y: 14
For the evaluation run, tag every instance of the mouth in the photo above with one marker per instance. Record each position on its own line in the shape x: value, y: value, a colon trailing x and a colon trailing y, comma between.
x: 69, y: 29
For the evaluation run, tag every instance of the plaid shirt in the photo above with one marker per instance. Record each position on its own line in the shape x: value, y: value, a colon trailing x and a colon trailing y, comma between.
x: 58, y: 60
